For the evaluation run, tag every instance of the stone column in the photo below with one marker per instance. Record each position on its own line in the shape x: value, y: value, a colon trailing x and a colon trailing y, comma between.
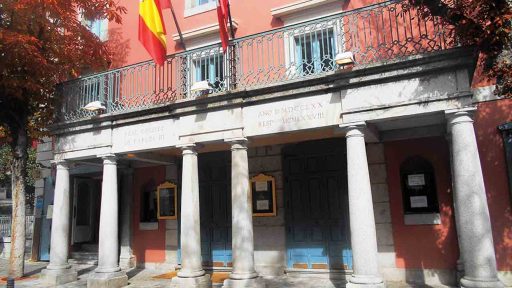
x: 59, y: 271
x: 470, y: 201
x: 362, y: 221
x: 126, y: 258
x: 191, y: 273
x: 243, y: 274
x: 108, y: 273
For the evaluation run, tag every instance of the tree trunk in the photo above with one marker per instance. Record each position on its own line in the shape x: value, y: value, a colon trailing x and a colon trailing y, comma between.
x: 18, y: 177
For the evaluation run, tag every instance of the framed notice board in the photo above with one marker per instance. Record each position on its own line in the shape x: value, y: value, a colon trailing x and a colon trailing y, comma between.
x: 263, y: 195
x: 167, y: 200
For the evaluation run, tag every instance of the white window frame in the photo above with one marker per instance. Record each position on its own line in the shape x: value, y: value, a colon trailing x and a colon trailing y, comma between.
x: 289, y: 44
x: 192, y: 9
x: 103, y: 24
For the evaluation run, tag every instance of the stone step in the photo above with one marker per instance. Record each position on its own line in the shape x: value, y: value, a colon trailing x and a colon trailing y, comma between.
x: 84, y: 255
x: 304, y: 282
x: 76, y: 262
x: 341, y: 276
x: 84, y: 258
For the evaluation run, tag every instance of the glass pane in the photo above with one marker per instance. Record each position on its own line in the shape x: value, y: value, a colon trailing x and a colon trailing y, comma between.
x: 315, y: 52
x: 210, y: 68
x: 148, y: 212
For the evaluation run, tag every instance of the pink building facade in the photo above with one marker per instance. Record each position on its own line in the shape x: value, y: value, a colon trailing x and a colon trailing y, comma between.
x: 336, y: 140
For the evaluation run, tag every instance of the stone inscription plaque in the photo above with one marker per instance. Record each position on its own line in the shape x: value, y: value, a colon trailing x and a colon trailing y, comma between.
x: 144, y: 136
x: 86, y: 140
x: 296, y: 114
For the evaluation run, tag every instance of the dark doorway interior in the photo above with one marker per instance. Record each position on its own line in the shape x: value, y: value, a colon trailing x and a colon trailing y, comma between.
x: 85, y: 213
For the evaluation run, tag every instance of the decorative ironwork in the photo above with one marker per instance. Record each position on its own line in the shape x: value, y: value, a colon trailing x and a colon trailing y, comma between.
x: 377, y: 34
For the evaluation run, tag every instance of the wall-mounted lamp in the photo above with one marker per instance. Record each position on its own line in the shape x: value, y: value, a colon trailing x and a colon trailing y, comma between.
x: 95, y: 106
x: 201, y: 86
x: 345, y: 58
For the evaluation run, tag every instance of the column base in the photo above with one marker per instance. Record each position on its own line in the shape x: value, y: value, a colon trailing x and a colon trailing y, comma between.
x: 468, y: 282
x: 127, y: 262
x: 365, y: 281
x: 107, y: 280
x: 244, y: 283
x: 193, y: 282
x: 59, y: 277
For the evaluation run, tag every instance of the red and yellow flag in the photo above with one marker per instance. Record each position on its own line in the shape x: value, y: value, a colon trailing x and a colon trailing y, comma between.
x: 223, y: 16
x: 152, y: 29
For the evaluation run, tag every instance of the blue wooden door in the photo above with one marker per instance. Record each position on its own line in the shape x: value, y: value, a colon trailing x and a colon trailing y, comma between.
x: 316, y: 206
x: 215, y: 203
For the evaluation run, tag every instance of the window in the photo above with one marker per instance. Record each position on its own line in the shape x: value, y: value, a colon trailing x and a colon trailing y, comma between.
x: 148, y: 209
x: 419, y: 190
x: 93, y: 88
x: 193, y: 7
x: 3, y: 193
x: 315, y: 52
x: 206, y: 65
x: 506, y: 132
x: 98, y: 27
x: 211, y: 69
x: 196, y: 3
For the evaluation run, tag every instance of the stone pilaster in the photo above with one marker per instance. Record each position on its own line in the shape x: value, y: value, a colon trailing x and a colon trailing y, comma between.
x: 126, y: 257
x: 362, y: 222
x: 191, y: 274
x: 108, y: 273
x: 59, y: 271
x: 171, y: 226
x: 243, y: 274
x: 470, y: 201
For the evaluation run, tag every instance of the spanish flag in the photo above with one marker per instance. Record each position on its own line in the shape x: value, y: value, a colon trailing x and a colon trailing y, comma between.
x: 152, y: 29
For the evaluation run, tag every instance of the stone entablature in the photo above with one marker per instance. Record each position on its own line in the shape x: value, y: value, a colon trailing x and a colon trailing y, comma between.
x: 418, y: 86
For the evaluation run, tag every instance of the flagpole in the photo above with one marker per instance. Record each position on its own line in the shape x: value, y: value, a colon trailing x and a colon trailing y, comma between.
x: 230, y: 21
x: 178, y: 28
x: 232, y: 55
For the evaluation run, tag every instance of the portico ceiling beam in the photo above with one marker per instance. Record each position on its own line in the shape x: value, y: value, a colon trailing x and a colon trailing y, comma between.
x: 88, y: 163
x: 150, y: 158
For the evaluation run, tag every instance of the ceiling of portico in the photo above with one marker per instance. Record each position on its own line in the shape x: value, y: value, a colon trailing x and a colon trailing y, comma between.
x: 415, y: 126
x: 409, y: 122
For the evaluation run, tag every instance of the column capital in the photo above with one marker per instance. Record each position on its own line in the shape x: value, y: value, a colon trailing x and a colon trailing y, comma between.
x: 238, y: 143
x: 61, y: 164
x: 457, y: 116
x: 109, y: 158
x: 354, y: 129
x: 188, y: 148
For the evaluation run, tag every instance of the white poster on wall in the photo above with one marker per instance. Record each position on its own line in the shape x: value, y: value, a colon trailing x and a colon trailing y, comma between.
x: 262, y: 205
x: 418, y: 201
x: 49, y: 212
x: 416, y: 180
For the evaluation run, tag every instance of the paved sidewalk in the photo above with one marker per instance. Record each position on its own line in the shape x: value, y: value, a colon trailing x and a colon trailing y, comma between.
x: 144, y: 278
x: 137, y: 277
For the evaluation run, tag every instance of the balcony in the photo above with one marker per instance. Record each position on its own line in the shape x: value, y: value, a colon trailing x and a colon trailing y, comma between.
x: 375, y: 35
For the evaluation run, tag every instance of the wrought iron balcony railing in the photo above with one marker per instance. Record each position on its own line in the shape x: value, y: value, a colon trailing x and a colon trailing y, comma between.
x: 374, y: 35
